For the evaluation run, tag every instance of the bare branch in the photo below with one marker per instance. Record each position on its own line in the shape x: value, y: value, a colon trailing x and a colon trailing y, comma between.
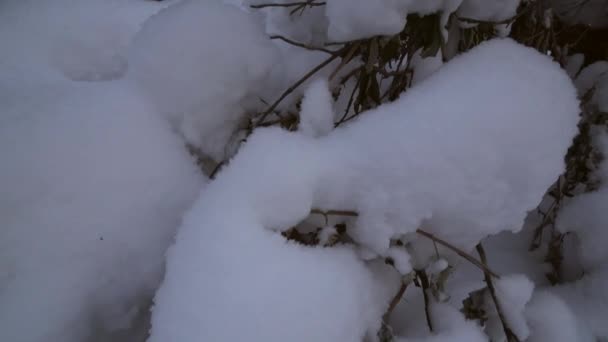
x: 289, y: 4
x: 488, y: 279
x: 302, y: 45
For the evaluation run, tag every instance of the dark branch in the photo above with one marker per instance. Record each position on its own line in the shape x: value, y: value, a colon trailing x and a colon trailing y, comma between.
x: 290, y: 4
x: 488, y: 279
x: 302, y: 45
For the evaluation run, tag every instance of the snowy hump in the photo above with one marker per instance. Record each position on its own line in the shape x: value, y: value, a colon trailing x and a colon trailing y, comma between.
x: 197, y: 61
x: 465, y: 153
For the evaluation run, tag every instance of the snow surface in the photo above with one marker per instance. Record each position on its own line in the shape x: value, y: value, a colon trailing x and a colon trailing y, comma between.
x: 317, y: 114
x: 93, y: 184
x: 93, y: 180
x: 199, y: 62
x: 451, y: 326
x: 277, y: 177
x: 513, y: 292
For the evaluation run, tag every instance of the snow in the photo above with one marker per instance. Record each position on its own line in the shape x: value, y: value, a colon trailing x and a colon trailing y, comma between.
x: 401, y: 259
x: 93, y: 180
x: 205, y: 91
x: 585, y: 218
x: 450, y: 326
x: 250, y: 276
x: 93, y: 183
x: 357, y: 19
x: 586, y: 12
x: 513, y: 293
x: 317, y: 114
x: 83, y: 40
x: 101, y: 100
x: 550, y: 319
x: 488, y: 10
x: 278, y: 177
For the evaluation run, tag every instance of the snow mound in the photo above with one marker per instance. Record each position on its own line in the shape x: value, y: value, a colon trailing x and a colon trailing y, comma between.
x: 462, y: 167
x: 199, y: 62
x: 93, y: 186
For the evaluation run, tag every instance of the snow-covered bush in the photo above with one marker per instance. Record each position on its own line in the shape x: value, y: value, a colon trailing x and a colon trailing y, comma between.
x: 278, y: 170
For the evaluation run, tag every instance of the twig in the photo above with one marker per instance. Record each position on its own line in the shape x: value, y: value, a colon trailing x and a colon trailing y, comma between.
x: 488, y: 279
x: 334, y: 212
x: 393, y: 304
x: 481, y: 265
x: 350, y: 103
x: 217, y: 168
x: 500, y: 22
x: 347, y: 58
x: 296, y: 85
x: 424, y: 283
x: 289, y: 4
x: 302, y: 45
x: 460, y: 252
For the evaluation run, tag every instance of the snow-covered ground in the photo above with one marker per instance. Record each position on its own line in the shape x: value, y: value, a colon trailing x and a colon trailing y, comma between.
x: 109, y: 231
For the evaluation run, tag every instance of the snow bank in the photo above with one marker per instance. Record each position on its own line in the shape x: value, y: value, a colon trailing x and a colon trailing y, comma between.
x: 351, y: 20
x: 83, y: 40
x: 444, y: 156
x: 93, y: 186
x: 550, y: 319
x: 317, y: 114
x: 198, y: 62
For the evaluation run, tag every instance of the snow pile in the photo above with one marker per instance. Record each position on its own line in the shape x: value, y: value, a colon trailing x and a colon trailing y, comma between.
x: 594, y: 78
x: 199, y: 62
x: 550, y: 319
x: 493, y: 179
x: 350, y: 20
x: 94, y: 184
x: 272, y: 290
x: 450, y: 326
x: 83, y: 40
x: 585, y: 217
x: 488, y: 10
x: 267, y: 289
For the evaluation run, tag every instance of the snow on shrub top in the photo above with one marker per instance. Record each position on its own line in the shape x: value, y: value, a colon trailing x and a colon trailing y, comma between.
x: 198, y: 61
x: 466, y: 153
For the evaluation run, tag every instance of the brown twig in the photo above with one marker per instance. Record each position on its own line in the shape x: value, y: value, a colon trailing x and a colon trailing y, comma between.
x: 289, y: 4
x: 296, y: 85
x: 460, y: 252
x: 424, y: 283
x: 393, y: 304
x: 302, y: 45
x: 511, y: 337
x: 482, y: 266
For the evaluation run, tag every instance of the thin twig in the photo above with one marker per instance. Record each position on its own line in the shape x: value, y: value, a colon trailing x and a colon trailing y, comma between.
x: 296, y: 85
x: 488, y: 279
x: 393, y: 304
x: 334, y: 212
x: 482, y: 266
x: 302, y: 45
x: 460, y: 252
x: 289, y: 4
